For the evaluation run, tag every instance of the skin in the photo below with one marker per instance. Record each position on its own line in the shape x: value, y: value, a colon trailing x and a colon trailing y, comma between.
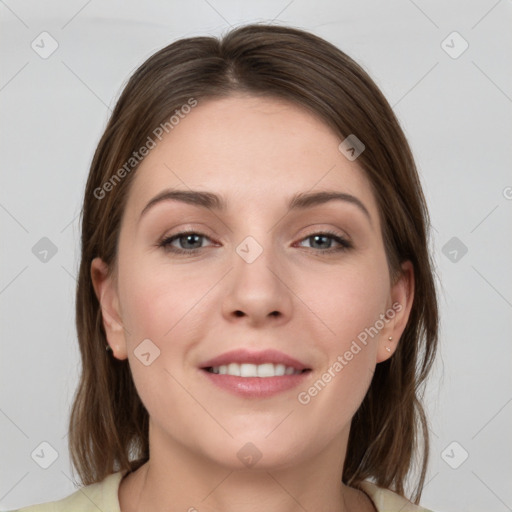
x: 256, y: 153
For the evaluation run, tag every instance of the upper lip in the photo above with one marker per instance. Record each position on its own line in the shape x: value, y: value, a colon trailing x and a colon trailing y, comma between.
x: 255, y: 357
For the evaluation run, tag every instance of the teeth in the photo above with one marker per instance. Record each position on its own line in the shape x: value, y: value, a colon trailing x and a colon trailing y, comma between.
x: 266, y: 370
x: 233, y: 369
x: 248, y: 370
x: 255, y: 370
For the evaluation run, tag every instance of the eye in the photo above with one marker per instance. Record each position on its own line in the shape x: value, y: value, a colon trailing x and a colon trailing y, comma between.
x: 321, y: 239
x: 189, y: 240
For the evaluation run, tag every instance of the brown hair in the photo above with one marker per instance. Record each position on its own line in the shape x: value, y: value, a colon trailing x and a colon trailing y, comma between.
x: 109, y: 424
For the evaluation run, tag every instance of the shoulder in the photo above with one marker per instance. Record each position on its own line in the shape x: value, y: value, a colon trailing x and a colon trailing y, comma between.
x: 389, y: 501
x: 99, y: 496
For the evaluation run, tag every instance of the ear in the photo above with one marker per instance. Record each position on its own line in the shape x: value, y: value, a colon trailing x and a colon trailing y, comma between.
x: 402, y: 297
x: 106, y: 292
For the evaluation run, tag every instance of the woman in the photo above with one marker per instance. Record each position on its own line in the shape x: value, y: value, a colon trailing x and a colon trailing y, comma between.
x: 255, y: 260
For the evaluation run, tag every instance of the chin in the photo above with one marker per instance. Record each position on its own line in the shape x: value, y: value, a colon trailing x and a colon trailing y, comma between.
x: 256, y: 452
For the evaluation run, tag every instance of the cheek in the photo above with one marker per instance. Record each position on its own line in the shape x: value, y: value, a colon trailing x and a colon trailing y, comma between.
x: 347, y: 299
x: 156, y: 298
x: 158, y: 305
x: 349, y: 302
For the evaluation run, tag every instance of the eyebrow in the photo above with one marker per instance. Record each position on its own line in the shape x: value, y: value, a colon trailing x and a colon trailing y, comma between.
x: 212, y: 201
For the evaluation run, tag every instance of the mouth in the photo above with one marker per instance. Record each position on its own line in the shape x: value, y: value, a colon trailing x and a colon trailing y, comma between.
x: 255, y: 374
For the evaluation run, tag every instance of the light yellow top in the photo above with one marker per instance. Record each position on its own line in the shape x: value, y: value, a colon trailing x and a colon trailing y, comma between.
x: 103, y: 496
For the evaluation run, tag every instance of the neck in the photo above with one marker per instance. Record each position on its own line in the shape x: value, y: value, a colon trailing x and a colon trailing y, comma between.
x: 178, y: 479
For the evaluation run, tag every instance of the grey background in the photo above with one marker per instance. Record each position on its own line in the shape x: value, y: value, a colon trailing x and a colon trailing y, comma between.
x: 456, y: 113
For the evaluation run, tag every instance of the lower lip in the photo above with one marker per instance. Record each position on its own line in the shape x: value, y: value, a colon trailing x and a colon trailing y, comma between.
x: 256, y: 387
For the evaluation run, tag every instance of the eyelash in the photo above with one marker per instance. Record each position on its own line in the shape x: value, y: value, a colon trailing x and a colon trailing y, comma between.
x: 166, y: 242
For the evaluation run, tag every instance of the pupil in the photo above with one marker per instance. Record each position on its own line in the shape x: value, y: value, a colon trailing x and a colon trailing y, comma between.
x: 190, y: 237
x: 319, y: 237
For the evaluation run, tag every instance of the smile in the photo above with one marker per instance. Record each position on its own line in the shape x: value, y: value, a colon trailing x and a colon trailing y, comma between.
x: 255, y: 374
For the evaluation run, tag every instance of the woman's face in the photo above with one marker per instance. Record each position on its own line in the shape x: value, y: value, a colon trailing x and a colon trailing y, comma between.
x: 308, y: 282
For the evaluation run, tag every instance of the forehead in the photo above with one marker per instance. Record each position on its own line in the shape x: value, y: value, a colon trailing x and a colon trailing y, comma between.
x: 256, y: 150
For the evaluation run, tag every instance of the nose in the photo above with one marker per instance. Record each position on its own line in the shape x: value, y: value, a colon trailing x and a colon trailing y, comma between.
x: 258, y: 290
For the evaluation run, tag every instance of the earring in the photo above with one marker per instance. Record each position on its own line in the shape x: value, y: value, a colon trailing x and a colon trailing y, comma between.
x: 108, y: 348
x: 388, y: 348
